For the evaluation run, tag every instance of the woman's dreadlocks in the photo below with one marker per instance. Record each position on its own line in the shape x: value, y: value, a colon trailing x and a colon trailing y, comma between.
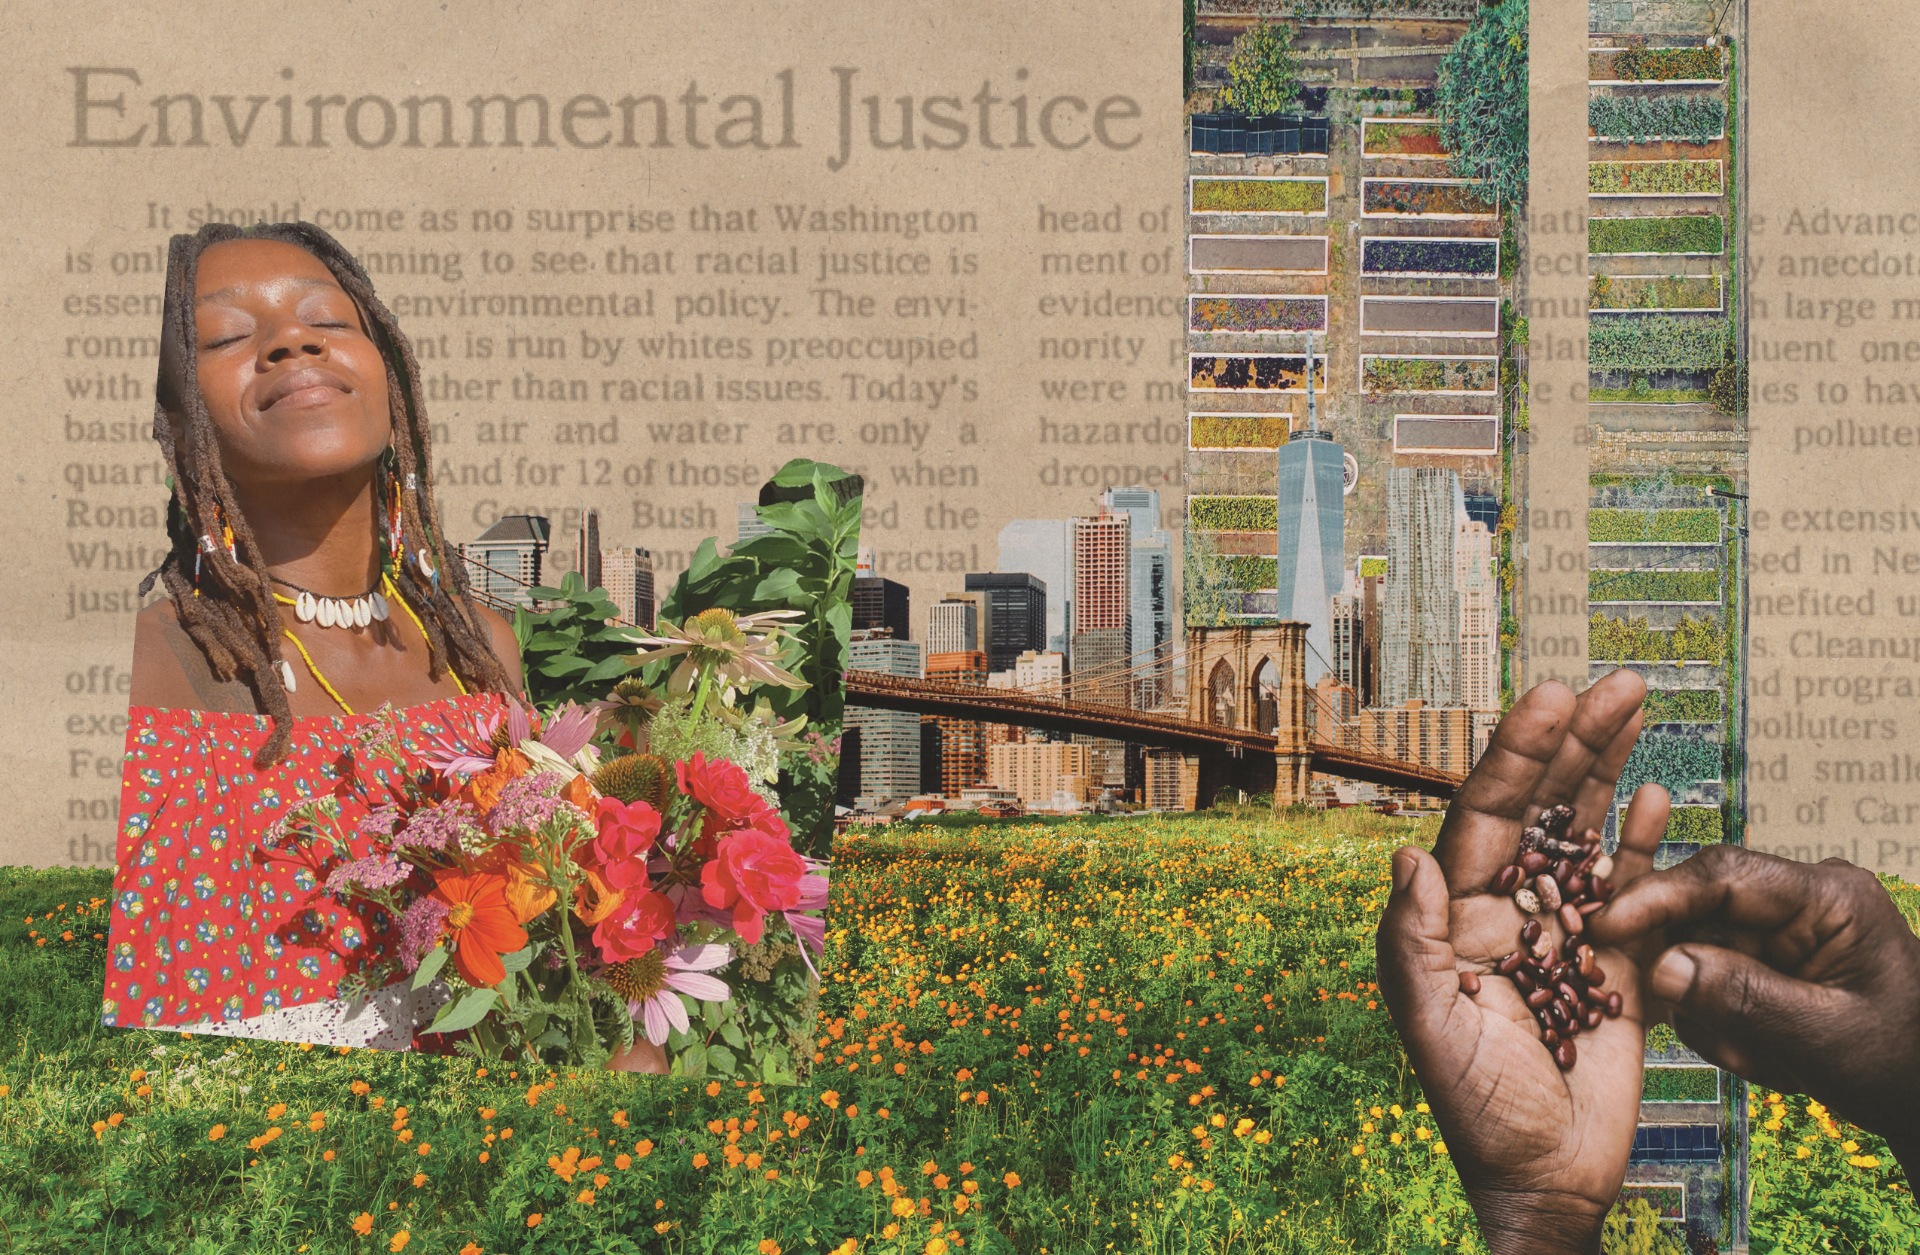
x: 235, y: 620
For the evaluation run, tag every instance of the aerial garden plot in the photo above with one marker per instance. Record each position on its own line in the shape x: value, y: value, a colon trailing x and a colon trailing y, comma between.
x: 1346, y: 185
x: 1667, y: 384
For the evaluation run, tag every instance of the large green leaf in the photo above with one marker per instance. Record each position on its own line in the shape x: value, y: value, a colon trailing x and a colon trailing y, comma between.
x: 464, y: 1012
x: 430, y: 966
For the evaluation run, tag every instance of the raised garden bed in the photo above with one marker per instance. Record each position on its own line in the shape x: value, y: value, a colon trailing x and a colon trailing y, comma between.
x: 1684, y: 235
x: 1416, y: 138
x: 1654, y: 294
x: 1667, y: 586
x: 1670, y: 1084
x: 1675, y: 760
x: 1382, y: 374
x: 1683, y: 706
x: 1257, y: 254
x: 1279, y: 194
x: 1461, y: 434
x: 1231, y: 514
x: 1656, y: 343
x: 1631, y: 640
x: 1645, y: 395
x: 1469, y: 317
x: 1655, y: 65
x: 1421, y: 198
x: 1626, y: 527
x: 1654, y: 178
x: 1254, y: 372
x: 1246, y: 572
x: 1637, y: 119
x: 1250, y: 314
x: 1695, y: 825
x: 1238, y: 431
x: 1430, y: 258
x: 1272, y: 135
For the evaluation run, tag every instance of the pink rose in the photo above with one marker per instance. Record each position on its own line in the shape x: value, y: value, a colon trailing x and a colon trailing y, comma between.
x: 626, y: 832
x: 636, y: 927
x: 720, y: 786
x: 753, y: 873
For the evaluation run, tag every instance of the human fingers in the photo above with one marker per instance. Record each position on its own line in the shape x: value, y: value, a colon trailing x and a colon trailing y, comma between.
x: 1727, y: 884
x: 1415, y: 961
x: 1738, y: 1012
x: 1641, y: 831
x: 1482, y: 827
x: 1586, y: 770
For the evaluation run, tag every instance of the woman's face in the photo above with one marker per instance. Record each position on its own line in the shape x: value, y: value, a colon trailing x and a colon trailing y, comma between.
x: 295, y: 386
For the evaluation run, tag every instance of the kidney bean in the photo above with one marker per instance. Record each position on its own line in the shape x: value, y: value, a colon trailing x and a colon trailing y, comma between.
x: 1527, y: 900
x: 1550, y: 1037
x: 1523, y: 978
x: 1532, y: 863
x: 1531, y: 837
x: 1592, y: 1017
x: 1583, y: 959
x: 1543, y: 948
x: 1564, y: 1055
x: 1530, y: 932
x: 1549, y: 890
x: 1613, y: 1004
x: 1595, y: 996
x: 1574, y: 886
x: 1602, y: 867
x: 1539, y: 998
x: 1507, y: 880
x: 1561, y: 871
x: 1599, y: 976
x: 1571, y: 919
x: 1588, y: 908
x: 1568, y: 992
x: 1601, y: 889
x: 1511, y: 964
x: 1469, y: 983
x: 1559, y: 972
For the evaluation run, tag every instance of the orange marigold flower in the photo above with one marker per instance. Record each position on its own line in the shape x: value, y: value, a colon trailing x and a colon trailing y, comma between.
x: 643, y: 1147
x: 713, y: 1089
x: 363, y: 1223
x: 534, y: 1219
x: 1012, y: 1179
x: 700, y: 1160
x: 769, y: 1247
x: 471, y: 1248
x: 327, y: 1155
x: 419, y: 1179
x: 217, y: 1132
x: 398, y: 1242
x: 359, y: 1087
x: 831, y: 1098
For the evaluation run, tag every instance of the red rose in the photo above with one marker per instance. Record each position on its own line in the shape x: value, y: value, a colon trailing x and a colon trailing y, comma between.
x: 636, y: 927
x: 753, y: 873
x: 627, y: 831
x: 720, y: 786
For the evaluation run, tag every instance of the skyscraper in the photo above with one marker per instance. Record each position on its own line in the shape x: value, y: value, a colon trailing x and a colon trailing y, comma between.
x: 1150, y: 595
x: 1103, y: 602
x: 1479, y: 614
x: 889, y: 739
x: 503, y: 562
x: 1420, y: 620
x: 627, y: 575
x: 953, y: 626
x: 1043, y: 548
x: 586, y: 551
x: 1016, y: 615
x: 879, y: 602
x: 1310, y: 517
x: 963, y: 749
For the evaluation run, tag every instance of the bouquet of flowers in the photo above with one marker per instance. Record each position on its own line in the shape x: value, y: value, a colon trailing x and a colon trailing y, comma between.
x: 574, y: 901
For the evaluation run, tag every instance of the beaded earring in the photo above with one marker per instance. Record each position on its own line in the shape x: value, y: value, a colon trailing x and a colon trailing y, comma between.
x: 393, y: 528
x: 209, y: 545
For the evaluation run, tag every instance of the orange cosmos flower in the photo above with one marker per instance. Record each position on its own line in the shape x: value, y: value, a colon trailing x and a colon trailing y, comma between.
x: 527, y: 893
x: 480, y: 923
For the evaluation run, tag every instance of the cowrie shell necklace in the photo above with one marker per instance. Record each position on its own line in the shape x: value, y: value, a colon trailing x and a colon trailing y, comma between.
x: 347, y: 612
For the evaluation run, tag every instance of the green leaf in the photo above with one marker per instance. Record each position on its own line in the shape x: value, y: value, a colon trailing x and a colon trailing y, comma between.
x: 430, y: 966
x: 565, y: 665
x: 608, y: 669
x: 781, y: 586
x: 712, y: 1013
x: 518, y: 961
x: 552, y: 1037
x: 720, y: 1060
x: 691, y: 1062
x: 464, y: 1012
x: 731, y: 1034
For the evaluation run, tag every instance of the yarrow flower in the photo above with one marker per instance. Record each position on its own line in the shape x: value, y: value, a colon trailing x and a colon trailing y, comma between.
x: 441, y: 825
x: 420, y: 926
x: 525, y: 804
x: 375, y: 871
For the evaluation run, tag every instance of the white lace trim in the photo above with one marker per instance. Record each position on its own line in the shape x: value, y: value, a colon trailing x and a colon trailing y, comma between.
x: 385, y: 1020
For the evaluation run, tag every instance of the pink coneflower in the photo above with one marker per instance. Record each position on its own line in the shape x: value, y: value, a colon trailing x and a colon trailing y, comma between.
x: 652, y: 985
x: 810, y: 930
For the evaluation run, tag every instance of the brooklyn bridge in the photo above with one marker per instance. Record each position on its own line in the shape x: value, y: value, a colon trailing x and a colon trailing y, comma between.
x: 1248, y: 719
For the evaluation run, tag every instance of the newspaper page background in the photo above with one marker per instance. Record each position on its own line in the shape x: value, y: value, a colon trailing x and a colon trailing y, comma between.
x: 645, y: 256
x: 1833, y: 764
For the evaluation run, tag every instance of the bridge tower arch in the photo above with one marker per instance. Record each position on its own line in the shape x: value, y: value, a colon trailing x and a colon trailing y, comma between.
x: 1242, y: 654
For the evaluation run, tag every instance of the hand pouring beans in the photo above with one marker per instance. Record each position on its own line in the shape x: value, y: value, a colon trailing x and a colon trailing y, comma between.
x: 1565, y: 880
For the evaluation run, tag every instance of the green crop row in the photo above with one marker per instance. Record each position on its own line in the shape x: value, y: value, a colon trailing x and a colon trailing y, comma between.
x: 1685, y: 233
x: 1682, y: 706
x: 1630, y: 292
x: 1631, y: 640
x: 1428, y: 374
x: 1694, y: 118
x: 1284, y: 196
x: 1657, y: 342
x: 1653, y: 526
x: 1604, y: 586
x: 1656, y: 64
x: 1653, y: 178
x: 1671, y: 759
x: 1232, y: 514
x: 1255, y: 431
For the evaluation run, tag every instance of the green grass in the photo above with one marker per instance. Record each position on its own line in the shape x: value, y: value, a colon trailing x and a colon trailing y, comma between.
x: 1649, y: 396
x: 1190, y: 955
x: 1680, y: 1085
x: 1681, y: 233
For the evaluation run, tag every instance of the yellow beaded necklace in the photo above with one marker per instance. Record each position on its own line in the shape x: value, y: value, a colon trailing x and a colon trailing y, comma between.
x: 393, y: 594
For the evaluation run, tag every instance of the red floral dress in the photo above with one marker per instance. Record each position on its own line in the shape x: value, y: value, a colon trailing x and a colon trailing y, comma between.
x: 207, y: 924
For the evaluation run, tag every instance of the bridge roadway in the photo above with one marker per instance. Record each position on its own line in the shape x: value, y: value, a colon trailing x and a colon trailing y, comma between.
x: 875, y: 691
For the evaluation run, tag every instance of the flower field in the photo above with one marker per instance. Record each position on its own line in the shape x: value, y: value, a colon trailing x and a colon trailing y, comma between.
x: 1154, y: 1035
